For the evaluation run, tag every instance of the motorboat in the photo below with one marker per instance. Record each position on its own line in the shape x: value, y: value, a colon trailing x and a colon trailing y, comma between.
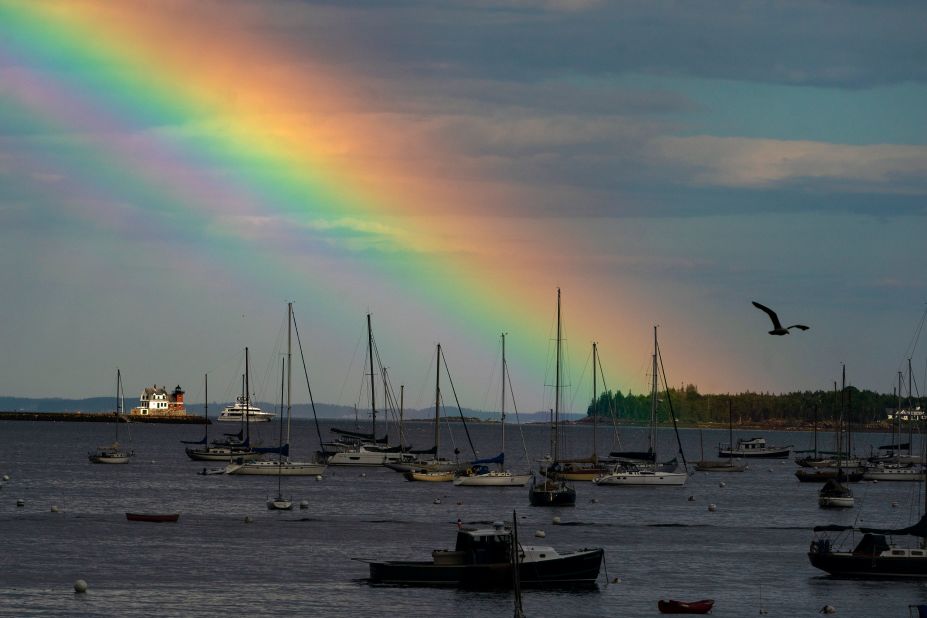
x: 755, y: 448
x: 482, y: 559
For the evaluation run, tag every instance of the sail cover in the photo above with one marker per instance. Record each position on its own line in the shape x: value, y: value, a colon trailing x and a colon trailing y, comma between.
x: 918, y: 529
x: 498, y: 459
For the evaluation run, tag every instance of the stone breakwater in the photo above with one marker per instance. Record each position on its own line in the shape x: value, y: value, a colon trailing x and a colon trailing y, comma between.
x: 98, y: 417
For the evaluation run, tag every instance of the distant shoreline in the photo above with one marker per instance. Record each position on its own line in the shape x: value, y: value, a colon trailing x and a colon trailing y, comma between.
x: 100, y: 417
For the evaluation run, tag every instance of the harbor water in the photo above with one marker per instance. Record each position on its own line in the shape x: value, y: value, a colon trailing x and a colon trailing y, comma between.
x: 229, y: 555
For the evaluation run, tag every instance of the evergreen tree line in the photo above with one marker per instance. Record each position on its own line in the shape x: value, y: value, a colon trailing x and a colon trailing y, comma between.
x: 797, y: 408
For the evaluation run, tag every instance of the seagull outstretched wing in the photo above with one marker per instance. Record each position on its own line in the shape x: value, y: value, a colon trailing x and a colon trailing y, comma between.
x: 772, y: 316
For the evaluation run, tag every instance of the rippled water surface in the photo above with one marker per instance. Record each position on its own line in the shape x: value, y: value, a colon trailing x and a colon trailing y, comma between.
x: 748, y: 554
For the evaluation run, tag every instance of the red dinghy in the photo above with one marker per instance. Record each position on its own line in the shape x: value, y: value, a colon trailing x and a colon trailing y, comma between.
x: 152, y: 517
x: 682, y: 607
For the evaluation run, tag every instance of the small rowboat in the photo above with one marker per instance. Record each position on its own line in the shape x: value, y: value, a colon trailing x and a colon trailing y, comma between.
x: 433, y: 477
x: 685, y: 607
x: 156, y: 517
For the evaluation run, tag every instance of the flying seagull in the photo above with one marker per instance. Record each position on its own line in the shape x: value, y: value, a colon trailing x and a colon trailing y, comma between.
x: 777, y: 326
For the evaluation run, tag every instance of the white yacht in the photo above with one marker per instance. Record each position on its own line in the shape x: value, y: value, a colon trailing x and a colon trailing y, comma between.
x: 244, y: 410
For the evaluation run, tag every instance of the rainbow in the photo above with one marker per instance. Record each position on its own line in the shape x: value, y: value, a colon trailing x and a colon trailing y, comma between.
x: 227, y: 141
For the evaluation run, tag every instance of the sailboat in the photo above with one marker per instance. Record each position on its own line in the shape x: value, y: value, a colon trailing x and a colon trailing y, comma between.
x: 722, y: 465
x: 283, y: 466
x: 280, y: 502
x: 587, y: 468
x: 113, y: 453
x: 479, y: 474
x: 633, y: 475
x: 876, y: 555
x: 363, y: 449
x: 553, y: 490
x: 235, y: 446
x: 835, y: 494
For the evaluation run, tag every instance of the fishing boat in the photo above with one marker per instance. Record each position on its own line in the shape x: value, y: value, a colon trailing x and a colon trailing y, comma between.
x: 482, y: 559
x: 282, y: 465
x: 728, y: 464
x: 685, y: 607
x: 553, y: 490
x: 153, y: 517
x: 754, y: 448
x: 114, y: 453
x: 479, y: 474
x: 235, y: 446
x: 631, y: 475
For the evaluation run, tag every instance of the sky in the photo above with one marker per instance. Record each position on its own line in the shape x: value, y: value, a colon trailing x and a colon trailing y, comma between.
x: 173, y: 173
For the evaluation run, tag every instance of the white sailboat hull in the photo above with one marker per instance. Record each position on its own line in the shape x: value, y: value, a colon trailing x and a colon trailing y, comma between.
x: 110, y: 459
x: 493, y: 479
x: 364, y: 458
x: 836, y: 502
x: 274, y: 468
x: 900, y: 474
x: 643, y: 478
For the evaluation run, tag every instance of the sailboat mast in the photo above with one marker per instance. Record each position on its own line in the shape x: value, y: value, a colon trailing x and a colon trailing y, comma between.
x: 653, y: 397
x: 438, y: 399
x: 373, y: 400
x: 280, y: 434
x: 557, y: 388
x: 595, y: 402
x: 289, y: 367
x: 206, y: 407
x: 247, y: 401
x: 503, y: 393
x: 911, y: 407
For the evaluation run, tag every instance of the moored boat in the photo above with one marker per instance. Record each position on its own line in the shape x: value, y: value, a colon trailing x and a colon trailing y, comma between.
x: 429, y: 477
x: 113, y: 453
x: 153, y: 517
x: 481, y: 559
x: 685, y: 607
x: 756, y: 448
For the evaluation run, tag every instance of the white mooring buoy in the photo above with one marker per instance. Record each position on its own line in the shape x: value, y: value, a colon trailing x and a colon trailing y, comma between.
x: 540, y: 534
x: 248, y: 519
x: 712, y: 507
x: 722, y: 484
x: 54, y: 508
x: 304, y: 504
x: 6, y: 477
x: 80, y: 586
x: 318, y: 477
x: 20, y: 502
x: 556, y: 520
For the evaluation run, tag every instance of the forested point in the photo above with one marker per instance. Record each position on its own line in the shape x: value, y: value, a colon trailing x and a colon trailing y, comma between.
x: 795, y: 409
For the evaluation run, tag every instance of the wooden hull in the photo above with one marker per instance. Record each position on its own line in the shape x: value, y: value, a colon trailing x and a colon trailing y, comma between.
x: 153, y: 517
x: 429, y: 477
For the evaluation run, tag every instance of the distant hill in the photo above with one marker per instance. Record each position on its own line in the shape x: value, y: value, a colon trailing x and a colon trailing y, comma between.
x: 324, y: 410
